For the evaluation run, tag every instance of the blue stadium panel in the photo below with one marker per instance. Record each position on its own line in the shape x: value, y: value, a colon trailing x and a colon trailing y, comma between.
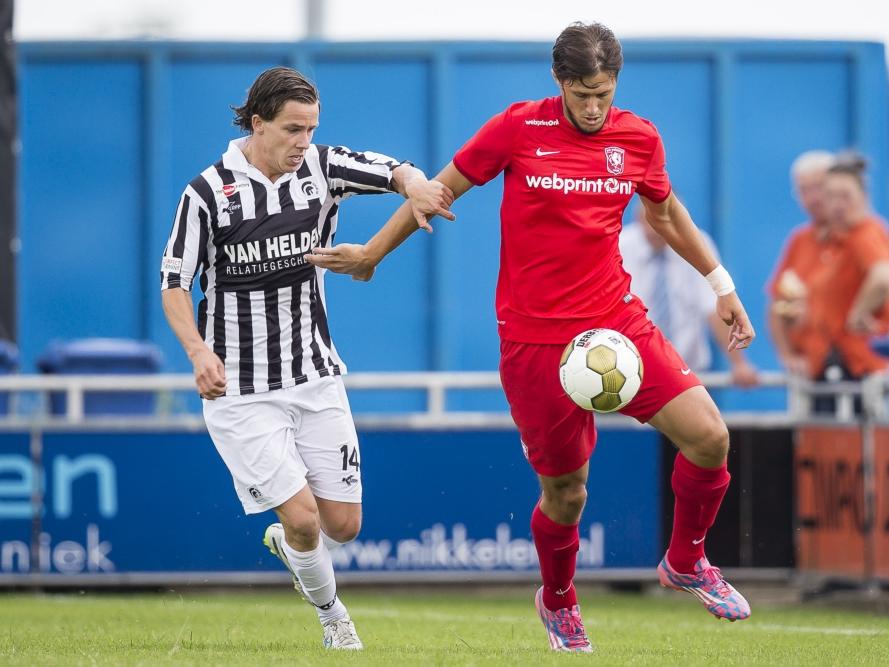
x: 677, y: 96
x: 814, y: 98
x: 733, y: 116
x: 384, y: 324
x: 82, y: 202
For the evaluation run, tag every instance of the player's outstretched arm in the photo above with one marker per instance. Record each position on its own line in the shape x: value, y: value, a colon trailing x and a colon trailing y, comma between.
x: 672, y: 221
x: 426, y: 198
x: 360, y: 261
x: 209, y: 371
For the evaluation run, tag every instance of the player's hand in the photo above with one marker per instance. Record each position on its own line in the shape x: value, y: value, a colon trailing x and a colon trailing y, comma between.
x: 744, y: 374
x: 428, y: 199
x: 731, y: 311
x: 348, y: 258
x: 209, y: 374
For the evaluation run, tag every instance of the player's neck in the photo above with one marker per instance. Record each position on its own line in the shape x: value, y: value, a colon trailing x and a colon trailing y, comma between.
x: 254, y: 157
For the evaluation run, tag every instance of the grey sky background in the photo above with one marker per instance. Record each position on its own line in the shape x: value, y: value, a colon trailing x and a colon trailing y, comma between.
x: 283, y: 20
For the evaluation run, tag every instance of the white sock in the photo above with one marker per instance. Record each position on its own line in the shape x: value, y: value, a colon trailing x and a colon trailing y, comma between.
x: 314, y: 569
x: 329, y: 542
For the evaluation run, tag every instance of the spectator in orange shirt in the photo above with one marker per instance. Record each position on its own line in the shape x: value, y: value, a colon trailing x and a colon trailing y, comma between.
x: 802, y: 255
x: 847, y: 291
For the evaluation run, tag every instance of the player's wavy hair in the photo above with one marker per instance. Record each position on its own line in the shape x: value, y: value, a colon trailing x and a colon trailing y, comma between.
x: 583, y: 50
x: 271, y: 90
x: 851, y: 164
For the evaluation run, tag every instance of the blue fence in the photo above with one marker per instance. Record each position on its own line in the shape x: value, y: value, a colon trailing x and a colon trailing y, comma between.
x: 112, y: 131
x: 444, y: 501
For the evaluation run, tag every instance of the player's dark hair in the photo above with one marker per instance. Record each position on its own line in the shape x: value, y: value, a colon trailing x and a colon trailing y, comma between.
x: 268, y: 94
x: 583, y: 50
x: 851, y: 164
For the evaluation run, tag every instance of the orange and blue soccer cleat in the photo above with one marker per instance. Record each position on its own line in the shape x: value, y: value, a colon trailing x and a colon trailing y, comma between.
x: 564, y: 627
x: 717, y: 595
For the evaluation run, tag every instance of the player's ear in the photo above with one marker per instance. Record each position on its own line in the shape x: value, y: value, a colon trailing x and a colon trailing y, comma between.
x: 256, y: 122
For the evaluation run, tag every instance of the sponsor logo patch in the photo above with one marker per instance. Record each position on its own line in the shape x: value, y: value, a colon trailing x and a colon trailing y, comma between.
x: 171, y: 265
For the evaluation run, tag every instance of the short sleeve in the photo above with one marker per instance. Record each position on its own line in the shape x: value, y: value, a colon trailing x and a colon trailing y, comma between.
x: 655, y: 184
x: 186, y: 248
x: 488, y: 152
x: 870, y: 245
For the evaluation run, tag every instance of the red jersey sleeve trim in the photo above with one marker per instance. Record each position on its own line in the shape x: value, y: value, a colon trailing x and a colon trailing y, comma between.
x: 466, y: 172
x: 659, y: 199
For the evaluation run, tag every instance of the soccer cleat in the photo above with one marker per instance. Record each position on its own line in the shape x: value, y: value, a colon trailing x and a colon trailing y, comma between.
x: 340, y: 634
x: 717, y: 595
x: 564, y: 627
x: 274, y: 539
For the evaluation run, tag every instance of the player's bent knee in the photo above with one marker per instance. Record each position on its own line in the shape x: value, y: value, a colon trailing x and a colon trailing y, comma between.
x: 569, y: 499
x: 346, y: 530
x: 302, y: 527
x: 714, y: 443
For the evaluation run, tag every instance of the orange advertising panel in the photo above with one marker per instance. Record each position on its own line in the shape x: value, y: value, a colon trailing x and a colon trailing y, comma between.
x: 831, y: 516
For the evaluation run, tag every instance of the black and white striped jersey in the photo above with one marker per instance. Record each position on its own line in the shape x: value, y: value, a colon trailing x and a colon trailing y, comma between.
x: 263, y: 310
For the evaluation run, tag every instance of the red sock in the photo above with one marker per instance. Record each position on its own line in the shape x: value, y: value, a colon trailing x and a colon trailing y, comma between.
x: 699, y: 493
x: 557, y: 547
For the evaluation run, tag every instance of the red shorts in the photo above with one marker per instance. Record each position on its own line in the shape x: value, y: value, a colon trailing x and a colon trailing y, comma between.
x: 558, y: 436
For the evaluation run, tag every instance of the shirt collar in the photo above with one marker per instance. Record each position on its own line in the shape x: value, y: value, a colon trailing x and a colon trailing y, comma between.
x: 234, y: 159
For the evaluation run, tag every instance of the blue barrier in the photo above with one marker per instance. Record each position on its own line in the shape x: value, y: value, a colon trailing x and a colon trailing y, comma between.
x: 435, y: 501
x: 103, y: 356
x: 9, y: 358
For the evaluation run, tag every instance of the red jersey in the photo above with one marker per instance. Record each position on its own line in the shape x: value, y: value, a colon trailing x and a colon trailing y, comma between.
x: 564, y: 194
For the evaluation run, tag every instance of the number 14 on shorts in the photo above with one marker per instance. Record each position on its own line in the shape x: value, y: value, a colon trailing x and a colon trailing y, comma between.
x: 350, y: 457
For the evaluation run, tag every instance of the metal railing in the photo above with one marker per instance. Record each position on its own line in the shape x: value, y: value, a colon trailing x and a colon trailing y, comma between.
x: 436, y: 386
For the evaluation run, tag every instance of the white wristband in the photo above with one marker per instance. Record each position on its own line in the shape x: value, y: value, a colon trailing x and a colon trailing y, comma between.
x: 720, y: 281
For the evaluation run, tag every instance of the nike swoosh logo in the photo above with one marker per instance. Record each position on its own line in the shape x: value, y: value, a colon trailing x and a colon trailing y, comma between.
x: 686, y: 371
x: 698, y: 541
x: 541, y: 153
x: 565, y: 592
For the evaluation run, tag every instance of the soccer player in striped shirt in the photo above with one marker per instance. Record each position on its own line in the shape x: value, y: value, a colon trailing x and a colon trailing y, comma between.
x: 263, y: 357
x: 571, y: 164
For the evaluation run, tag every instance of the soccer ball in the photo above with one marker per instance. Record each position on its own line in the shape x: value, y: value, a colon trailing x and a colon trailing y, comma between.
x: 601, y: 370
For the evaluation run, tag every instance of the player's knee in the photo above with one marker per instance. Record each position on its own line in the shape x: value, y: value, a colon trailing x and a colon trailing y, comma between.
x: 570, y: 499
x: 714, y: 442
x: 346, y: 529
x: 302, y: 527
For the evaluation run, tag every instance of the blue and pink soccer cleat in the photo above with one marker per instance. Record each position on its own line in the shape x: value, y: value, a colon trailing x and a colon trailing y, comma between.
x: 717, y: 595
x: 564, y: 627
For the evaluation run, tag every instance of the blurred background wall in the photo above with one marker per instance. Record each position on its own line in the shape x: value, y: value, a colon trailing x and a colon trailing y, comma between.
x: 112, y: 131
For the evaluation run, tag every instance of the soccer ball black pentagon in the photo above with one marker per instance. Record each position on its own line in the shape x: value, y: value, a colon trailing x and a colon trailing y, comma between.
x: 601, y: 370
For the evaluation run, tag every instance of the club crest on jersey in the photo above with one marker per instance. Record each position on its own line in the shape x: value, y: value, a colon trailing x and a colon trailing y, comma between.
x: 309, y: 189
x: 614, y: 160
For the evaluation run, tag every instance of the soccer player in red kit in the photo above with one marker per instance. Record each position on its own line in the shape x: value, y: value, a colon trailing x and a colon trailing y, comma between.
x: 571, y: 164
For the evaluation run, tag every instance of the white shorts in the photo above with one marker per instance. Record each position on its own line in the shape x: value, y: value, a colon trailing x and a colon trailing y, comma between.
x: 276, y: 442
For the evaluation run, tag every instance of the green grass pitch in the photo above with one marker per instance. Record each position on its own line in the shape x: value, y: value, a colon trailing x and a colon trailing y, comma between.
x: 413, y: 627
